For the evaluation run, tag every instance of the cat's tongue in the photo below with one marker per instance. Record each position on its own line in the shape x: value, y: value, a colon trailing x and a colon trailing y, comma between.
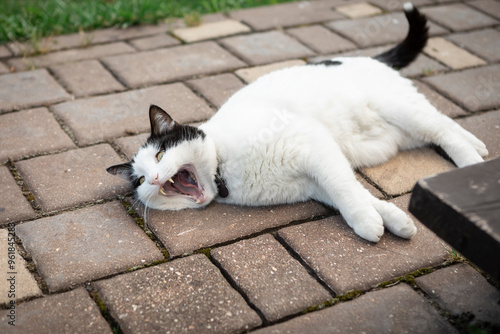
x: 186, y: 184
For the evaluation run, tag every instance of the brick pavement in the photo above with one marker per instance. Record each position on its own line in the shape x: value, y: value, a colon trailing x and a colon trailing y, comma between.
x: 86, y: 250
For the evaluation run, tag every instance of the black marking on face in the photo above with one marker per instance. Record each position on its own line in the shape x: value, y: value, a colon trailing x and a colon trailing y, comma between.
x: 327, y: 62
x: 175, y: 136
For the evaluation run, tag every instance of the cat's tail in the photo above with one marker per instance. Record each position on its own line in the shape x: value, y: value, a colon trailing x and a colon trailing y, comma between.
x: 406, y: 52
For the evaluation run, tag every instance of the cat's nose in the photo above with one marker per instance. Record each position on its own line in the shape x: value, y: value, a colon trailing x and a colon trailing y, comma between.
x: 155, y: 180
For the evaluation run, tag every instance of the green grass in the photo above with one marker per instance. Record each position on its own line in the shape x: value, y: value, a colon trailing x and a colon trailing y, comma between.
x: 22, y: 20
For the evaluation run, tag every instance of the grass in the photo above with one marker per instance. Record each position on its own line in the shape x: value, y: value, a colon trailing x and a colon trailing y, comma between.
x: 22, y: 20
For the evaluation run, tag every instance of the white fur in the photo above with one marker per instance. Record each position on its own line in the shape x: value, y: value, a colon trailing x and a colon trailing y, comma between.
x: 298, y: 133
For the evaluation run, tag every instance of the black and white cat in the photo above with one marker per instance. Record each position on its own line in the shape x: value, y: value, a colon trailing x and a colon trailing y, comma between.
x: 297, y: 134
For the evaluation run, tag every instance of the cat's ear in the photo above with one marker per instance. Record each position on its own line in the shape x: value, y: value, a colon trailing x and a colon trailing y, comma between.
x: 161, y: 122
x: 123, y: 171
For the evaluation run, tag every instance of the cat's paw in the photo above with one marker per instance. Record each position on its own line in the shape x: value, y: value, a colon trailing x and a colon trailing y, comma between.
x: 369, y: 226
x: 396, y: 220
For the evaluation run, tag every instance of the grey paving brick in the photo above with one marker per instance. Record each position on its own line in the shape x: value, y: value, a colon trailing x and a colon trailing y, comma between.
x: 487, y: 128
x: 321, y: 40
x: 50, y: 44
x: 346, y: 262
x: 442, y: 104
x: 218, y: 88
x: 105, y: 117
x: 273, y: 281
x: 86, y: 78
x: 265, y: 47
x: 285, y: 15
x: 29, y: 89
x: 458, y: 17
x: 91, y: 52
x: 117, y: 34
x: 423, y: 66
x: 175, y: 63
x: 399, y: 175
x: 188, y: 230
x: 250, y: 74
x: 70, y: 312
x: 397, y: 5
x: 87, y: 244
x: 378, y: 30
x: 394, y: 310
x: 185, y: 295
x: 460, y: 289
x: 13, y: 205
x: 5, y: 52
x: 475, y: 89
x: 72, y: 178
x: 480, y: 43
x: 3, y: 69
x: 154, y: 42
x: 31, y: 132
x: 130, y: 145
x: 490, y: 7
x: 23, y: 285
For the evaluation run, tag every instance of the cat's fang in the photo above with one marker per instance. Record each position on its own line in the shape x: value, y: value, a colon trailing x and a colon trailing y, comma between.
x: 163, y: 191
x: 170, y: 180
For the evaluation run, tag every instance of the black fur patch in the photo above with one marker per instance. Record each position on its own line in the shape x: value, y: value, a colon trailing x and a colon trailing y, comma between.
x: 175, y: 136
x: 327, y: 62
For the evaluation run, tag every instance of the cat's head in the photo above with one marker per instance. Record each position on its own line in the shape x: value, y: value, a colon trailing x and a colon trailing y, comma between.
x: 175, y: 169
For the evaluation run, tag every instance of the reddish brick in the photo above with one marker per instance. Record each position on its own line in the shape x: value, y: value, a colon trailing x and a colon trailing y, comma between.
x: 87, y: 244
x: 272, y: 280
x: 480, y: 43
x: 458, y: 17
x: 91, y: 52
x: 397, y: 5
x: 285, y: 15
x: 460, y: 289
x: 70, y: 312
x: 321, y: 39
x: 476, y: 89
x: 105, y: 117
x: 72, y: 178
x: 265, y: 47
x: 117, y: 34
x: 29, y: 89
x: 395, y: 310
x: 176, y: 63
x: 13, y: 205
x: 31, y: 132
x: 346, y: 262
x: 86, y: 78
x: 218, y: 88
x: 130, y: 145
x: 5, y: 52
x: 487, y: 128
x: 188, y: 230
x: 185, y: 295
x: 3, y: 69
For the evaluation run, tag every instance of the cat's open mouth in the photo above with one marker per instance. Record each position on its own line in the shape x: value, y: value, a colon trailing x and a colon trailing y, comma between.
x: 184, y: 183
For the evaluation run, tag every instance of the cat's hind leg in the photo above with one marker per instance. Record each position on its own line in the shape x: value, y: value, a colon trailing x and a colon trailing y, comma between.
x: 422, y: 123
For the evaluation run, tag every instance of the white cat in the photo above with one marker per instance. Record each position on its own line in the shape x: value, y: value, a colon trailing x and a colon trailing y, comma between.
x: 297, y: 134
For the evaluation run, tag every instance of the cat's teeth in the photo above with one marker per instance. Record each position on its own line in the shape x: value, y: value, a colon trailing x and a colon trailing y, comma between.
x: 198, y: 201
x: 163, y: 192
x: 170, y: 180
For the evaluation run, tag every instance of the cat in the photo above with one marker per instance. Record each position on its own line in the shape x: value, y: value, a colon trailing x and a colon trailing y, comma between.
x: 297, y: 134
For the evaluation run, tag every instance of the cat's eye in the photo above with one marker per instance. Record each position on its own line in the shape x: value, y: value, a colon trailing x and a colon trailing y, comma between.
x: 160, y: 155
x: 141, y: 180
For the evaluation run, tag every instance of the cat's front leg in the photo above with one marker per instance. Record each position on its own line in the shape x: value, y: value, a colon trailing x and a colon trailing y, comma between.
x: 337, y: 186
